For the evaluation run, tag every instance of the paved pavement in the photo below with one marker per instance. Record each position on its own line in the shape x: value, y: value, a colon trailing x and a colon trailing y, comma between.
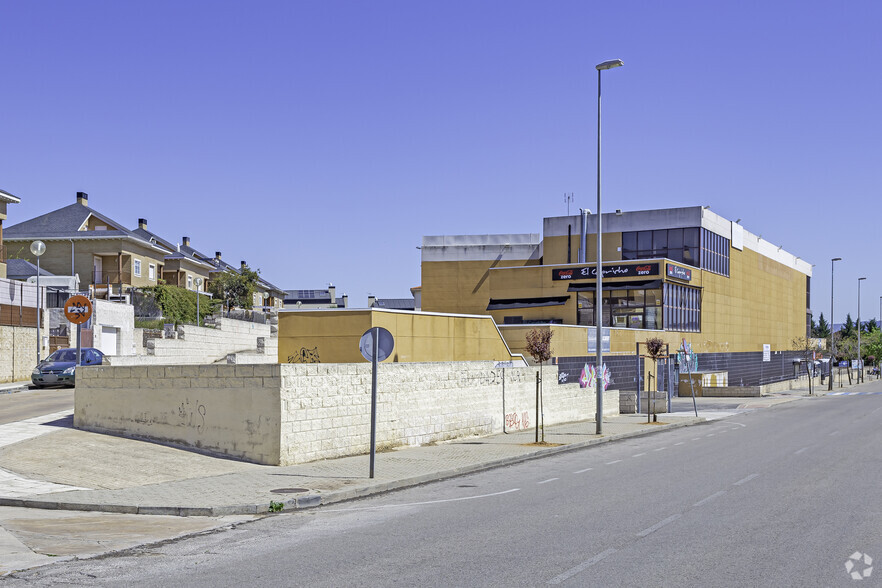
x: 48, y: 467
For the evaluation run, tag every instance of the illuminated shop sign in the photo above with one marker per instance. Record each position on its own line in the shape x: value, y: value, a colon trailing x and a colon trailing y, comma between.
x: 609, y: 271
x: 681, y: 273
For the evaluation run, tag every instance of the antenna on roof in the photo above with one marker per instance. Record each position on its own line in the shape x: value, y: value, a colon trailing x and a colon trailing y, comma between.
x: 568, y: 198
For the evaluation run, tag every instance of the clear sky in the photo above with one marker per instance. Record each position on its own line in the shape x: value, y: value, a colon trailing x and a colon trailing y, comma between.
x: 319, y: 141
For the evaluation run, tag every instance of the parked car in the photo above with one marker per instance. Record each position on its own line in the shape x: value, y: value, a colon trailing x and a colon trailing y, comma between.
x: 60, y: 367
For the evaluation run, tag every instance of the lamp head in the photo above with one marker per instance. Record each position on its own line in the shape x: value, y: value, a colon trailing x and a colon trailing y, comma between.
x: 836, y: 259
x: 610, y: 64
x: 38, y: 248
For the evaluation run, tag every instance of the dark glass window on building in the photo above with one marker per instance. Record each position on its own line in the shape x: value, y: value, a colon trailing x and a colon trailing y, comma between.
x: 683, y: 245
x: 682, y: 308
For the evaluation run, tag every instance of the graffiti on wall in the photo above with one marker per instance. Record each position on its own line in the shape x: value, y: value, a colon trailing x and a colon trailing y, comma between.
x: 517, y: 421
x: 192, y: 415
x: 305, y: 356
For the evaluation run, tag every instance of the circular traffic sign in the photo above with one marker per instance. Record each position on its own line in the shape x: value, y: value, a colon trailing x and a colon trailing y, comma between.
x: 78, y: 309
x: 384, y: 348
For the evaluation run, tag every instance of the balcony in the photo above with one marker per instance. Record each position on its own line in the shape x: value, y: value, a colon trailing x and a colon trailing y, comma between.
x: 113, y: 277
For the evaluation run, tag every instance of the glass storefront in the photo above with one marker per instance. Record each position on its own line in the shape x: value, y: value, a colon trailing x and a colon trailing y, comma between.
x: 673, y: 308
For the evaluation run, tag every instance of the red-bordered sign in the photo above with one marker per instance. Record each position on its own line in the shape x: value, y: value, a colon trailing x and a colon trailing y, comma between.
x: 78, y: 309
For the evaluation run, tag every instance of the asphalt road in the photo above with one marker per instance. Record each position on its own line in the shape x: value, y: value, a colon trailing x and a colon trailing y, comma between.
x: 775, y: 497
x: 33, y: 403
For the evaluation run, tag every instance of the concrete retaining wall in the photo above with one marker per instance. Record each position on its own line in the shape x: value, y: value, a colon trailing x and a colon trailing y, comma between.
x: 292, y: 413
x: 18, y: 353
x: 194, y: 345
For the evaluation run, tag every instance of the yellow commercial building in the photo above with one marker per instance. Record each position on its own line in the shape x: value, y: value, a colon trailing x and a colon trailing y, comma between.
x: 681, y: 273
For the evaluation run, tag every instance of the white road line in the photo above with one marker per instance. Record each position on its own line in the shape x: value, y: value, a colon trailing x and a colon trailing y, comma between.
x: 582, y: 566
x: 660, y: 449
x: 639, y: 454
x: 697, y: 439
x: 680, y: 443
x: 747, y: 479
x: 739, y: 424
x: 612, y: 462
x: 548, y: 480
x: 723, y: 431
x: 798, y: 451
x: 709, y: 498
x: 583, y: 471
x: 658, y: 525
x: 709, y: 435
x: 834, y: 433
x: 423, y: 503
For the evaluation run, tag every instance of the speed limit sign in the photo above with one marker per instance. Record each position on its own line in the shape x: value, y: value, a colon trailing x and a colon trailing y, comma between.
x: 78, y: 309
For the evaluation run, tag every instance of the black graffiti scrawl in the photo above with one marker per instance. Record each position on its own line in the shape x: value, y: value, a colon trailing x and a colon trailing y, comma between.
x: 305, y: 356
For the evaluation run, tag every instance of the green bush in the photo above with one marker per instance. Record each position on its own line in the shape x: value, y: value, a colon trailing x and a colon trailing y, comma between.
x: 179, y: 304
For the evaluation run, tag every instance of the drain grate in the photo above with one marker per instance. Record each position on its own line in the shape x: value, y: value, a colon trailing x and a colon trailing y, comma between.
x: 289, y: 490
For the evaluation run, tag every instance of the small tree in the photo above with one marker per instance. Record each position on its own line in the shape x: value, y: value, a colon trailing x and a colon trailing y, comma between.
x: 807, y: 350
x: 235, y: 289
x: 539, y: 347
x: 655, y: 348
x: 822, y: 330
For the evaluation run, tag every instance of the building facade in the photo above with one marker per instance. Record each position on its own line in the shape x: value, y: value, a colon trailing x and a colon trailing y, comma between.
x: 682, y: 273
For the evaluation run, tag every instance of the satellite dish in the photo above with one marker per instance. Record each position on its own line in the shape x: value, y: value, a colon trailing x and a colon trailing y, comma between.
x: 385, y: 346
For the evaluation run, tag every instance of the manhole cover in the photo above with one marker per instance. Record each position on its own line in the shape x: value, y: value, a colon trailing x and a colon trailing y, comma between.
x: 289, y: 490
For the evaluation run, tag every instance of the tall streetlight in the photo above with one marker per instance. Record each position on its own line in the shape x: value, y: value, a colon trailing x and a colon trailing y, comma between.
x: 598, y: 298
x: 832, y: 333
x: 860, y: 359
x: 38, y: 248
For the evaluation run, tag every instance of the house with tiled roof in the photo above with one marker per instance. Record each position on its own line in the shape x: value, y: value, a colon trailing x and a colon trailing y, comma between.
x: 109, y: 258
x: 5, y: 198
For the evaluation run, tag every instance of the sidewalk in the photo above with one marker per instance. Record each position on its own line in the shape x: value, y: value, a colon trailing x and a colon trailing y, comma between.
x: 114, y: 474
x: 13, y: 387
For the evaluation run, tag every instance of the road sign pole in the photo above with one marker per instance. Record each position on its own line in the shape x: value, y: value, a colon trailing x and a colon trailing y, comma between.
x: 375, y: 337
x: 79, y: 344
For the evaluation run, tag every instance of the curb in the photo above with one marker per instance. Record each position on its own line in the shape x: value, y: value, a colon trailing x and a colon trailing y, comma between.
x: 14, y: 389
x: 333, y: 497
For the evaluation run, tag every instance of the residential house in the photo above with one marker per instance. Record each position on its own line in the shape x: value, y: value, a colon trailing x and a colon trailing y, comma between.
x: 180, y: 267
x: 5, y: 198
x: 109, y: 258
x: 391, y: 303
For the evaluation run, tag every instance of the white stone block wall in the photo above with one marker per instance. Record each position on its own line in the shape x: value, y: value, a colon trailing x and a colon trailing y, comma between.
x: 201, y: 345
x: 326, y: 407
x: 295, y: 413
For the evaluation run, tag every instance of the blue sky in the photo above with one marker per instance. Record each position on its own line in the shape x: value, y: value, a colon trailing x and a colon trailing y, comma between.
x: 319, y: 141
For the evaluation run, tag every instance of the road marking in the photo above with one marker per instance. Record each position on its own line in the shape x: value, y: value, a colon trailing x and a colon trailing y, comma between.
x: 583, y: 471
x: 658, y: 525
x: 723, y: 431
x: 745, y: 480
x: 549, y: 480
x: 709, y: 498
x: 660, y: 449
x: 697, y: 439
x: 612, y: 462
x: 680, y: 443
x: 798, y: 451
x: 709, y: 435
x: 639, y: 454
x: 424, y: 503
x: 739, y: 424
x: 834, y: 433
x: 582, y: 566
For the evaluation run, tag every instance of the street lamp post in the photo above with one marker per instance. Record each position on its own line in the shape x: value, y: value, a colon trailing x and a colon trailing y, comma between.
x: 198, y: 287
x: 38, y: 248
x: 598, y: 296
x: 832, y: 333
x: 860, y: 358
